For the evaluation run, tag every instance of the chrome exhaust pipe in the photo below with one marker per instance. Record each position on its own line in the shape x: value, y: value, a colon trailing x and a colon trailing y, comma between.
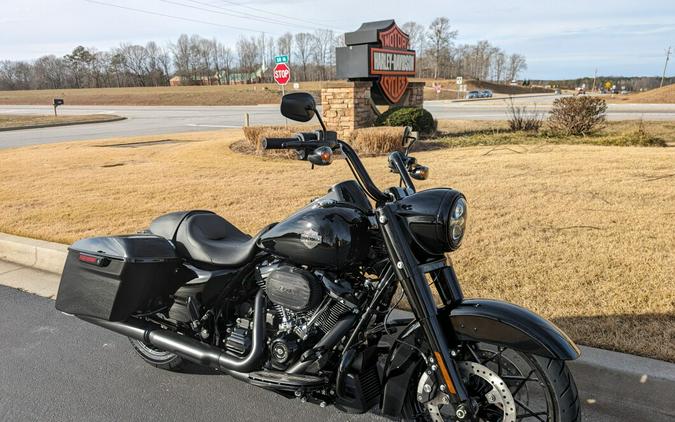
x: 191, y: 349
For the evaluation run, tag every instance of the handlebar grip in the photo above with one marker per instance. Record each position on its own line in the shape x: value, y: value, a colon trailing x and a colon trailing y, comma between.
x: 277, y: 143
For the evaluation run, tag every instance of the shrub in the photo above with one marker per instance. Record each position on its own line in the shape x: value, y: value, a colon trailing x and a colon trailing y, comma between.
x: 369, y: 141
x: 523, y: 119
x: 376, y: 140
x: 420, y: 119
x: 577, y: 115
x: 255, y: 134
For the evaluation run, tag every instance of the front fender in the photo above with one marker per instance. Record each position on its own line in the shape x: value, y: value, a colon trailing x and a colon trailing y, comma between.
x: 506, y: 324
x: 476, y: 320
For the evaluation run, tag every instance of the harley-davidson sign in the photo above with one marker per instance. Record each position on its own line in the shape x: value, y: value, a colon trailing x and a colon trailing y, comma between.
x: 378, y: 51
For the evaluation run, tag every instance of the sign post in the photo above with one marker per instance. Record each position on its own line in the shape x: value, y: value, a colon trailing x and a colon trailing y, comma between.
x: 282, y: 73
x: 459, y: 81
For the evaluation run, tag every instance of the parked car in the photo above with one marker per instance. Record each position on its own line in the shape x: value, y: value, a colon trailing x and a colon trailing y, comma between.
x: 473, y: 94
x: 486, y: 93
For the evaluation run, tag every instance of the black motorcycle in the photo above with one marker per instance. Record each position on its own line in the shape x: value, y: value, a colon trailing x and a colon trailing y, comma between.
x: 306, y: 307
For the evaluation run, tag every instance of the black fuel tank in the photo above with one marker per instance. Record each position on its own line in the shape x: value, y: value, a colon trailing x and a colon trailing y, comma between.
x: 331, y: 237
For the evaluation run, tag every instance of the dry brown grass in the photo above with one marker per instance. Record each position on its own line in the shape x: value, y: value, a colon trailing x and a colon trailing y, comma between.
x: 376, y: 140
x: 213, y: 95
x: 367, y: 141
x: 665, y: 95
x: 580, y: 234
x: 8, y: 121
x: 164, y: 95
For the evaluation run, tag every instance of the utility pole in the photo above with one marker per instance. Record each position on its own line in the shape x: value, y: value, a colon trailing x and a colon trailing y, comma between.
x: 595, y: 76
x: 668, y: 52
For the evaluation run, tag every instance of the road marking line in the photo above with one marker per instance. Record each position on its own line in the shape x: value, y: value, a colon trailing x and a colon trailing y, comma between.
x: 224, y: 126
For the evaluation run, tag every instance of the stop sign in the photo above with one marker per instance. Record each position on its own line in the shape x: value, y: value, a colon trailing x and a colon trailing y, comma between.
x: 282, y: 73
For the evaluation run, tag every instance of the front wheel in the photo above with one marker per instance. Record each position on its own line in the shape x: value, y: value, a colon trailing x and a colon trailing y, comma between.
x: 505, y: 385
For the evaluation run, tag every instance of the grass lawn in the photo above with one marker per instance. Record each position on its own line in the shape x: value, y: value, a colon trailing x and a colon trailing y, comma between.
x: 8, y: 122
x: 578, y: 233
x: 466, y: 133
x: 253, y: 94
x: 163, y: 95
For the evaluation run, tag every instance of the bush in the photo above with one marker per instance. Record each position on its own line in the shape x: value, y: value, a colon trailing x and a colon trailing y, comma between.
x: 522, y: 119
x: 420, y: 119
x: 577, y: 115
x: 369, y: 141
x: 376, y: 140
x: 255, y: 134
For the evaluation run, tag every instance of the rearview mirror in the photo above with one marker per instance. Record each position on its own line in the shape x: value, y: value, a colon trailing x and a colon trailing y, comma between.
x: 298, y: 106
x: 409, y: 138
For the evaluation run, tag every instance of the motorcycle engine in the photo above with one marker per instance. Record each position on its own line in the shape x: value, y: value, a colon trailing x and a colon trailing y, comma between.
x: 293, y: 288
x: 305, y: 304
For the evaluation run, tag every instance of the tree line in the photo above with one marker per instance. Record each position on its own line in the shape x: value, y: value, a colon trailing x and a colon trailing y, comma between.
x: 199, y: 60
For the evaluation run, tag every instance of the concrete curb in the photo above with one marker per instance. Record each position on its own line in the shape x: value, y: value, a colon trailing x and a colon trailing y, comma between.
x: 7, y: 129
x: 33, y: 253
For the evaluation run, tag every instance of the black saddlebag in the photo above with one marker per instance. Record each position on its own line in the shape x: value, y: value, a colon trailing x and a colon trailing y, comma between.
x: 114, y: 277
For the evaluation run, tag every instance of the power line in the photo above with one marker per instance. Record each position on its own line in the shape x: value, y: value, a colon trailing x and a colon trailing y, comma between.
x: 242, y: 15
x: 271, y: 13
x: 149, y: 12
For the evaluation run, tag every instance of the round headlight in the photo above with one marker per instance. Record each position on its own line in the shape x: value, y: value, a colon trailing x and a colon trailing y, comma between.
x: 436, y: 219
x: 457, y: 224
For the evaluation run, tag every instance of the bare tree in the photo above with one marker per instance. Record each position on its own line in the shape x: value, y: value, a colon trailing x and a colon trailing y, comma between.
x: 499, y: 64
x: 136, y: 62
x: 416, y: 35
x: 516, y: 65
x: 440, y: 40
x: 285, y: 44
x: 247, y: 50
x: 182, y: 55
x: 223, y: 60
x: 322, y: 50
x: 303, y: 50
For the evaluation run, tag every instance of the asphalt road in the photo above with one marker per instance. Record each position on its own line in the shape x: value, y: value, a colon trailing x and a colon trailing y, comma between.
x: 164, y: 120
x: 58, y: 368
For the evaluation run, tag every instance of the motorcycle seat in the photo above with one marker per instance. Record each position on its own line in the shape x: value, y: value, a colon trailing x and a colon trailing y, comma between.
x: 206, y: 237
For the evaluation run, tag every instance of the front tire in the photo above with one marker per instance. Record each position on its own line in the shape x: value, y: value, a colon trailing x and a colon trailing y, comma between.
x: 542, y: 389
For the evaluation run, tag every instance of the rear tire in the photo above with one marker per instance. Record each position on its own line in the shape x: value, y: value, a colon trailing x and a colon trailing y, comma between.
x: 159, y: 358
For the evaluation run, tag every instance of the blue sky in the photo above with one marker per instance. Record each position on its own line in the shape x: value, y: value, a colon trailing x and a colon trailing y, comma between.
x: 561, y: 39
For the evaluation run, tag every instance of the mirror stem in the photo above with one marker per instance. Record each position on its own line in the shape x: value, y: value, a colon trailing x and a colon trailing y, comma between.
x: 318, y: 116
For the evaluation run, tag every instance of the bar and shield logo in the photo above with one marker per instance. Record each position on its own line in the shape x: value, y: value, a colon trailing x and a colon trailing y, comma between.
x: 393, y: 62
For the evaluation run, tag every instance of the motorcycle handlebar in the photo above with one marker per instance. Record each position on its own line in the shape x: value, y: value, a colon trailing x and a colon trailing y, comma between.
x: 299, y: 142
x: 279, y: 143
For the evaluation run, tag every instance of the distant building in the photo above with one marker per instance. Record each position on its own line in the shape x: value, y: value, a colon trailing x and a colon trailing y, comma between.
x: 194, y: 80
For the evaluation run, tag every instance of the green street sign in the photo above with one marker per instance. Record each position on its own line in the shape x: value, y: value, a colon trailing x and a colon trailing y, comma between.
x: 281, y: 59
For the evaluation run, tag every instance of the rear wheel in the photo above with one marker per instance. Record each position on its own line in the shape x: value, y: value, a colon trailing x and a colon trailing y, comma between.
x: 506, y: 386
x: 159, y: 358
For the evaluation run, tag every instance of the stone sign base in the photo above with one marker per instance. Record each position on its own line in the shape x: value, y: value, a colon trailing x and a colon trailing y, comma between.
x: 347, y: 105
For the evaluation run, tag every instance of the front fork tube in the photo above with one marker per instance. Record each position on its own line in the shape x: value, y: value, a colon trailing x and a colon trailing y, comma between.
x: 423, y: 305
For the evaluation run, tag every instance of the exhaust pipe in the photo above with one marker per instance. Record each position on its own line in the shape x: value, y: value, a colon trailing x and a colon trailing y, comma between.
x: 189, y: 348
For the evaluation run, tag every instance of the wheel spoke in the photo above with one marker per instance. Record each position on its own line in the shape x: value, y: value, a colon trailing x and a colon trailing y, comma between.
x: 522, y: 383
x: 473, y: 352
x: 518, y: 378
x: 530, y: 412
